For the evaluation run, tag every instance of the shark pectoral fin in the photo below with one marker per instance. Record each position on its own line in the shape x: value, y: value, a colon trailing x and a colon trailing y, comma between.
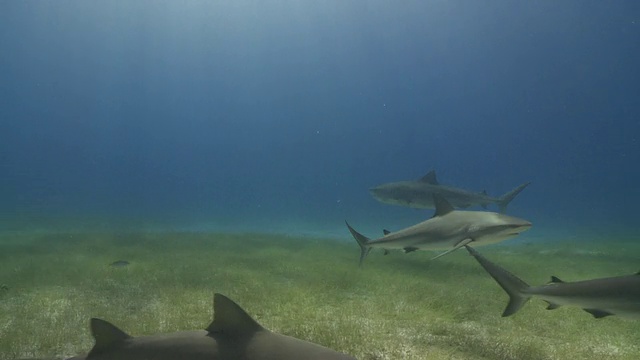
x: 598, y: 313
x: 409, y: 249
x: 456, y: 247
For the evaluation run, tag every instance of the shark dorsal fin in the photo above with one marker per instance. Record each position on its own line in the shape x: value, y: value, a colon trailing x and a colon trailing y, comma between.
x: 443, y: 207
x: 430, y: 178
x: 106, y: 335
x: 409, y: 249
x: 386, y: 232
x: 230, y: 318
x: 556, y: 280
x: 552, y: 305
x: 598, y: 313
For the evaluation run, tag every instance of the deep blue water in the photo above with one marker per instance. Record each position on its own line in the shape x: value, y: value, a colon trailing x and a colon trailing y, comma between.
x: 281, y: 114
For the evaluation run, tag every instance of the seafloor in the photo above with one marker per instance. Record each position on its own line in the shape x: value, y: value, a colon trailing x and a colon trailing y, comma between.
x: 399, y: 306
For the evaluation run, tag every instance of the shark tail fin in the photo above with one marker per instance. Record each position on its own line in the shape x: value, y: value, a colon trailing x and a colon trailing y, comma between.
x: 362, y: 240
x: 505, y: 199
x: 510, y: 283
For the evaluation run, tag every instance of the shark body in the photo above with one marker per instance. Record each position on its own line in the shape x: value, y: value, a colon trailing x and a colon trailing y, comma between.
x: 448, y: 229
x: 233, y: 335
x: 600, y: 297
x: 419, y: 194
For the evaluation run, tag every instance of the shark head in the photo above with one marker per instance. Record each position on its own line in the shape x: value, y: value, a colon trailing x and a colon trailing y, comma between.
x: 400, y: 193
x: 490, y: 227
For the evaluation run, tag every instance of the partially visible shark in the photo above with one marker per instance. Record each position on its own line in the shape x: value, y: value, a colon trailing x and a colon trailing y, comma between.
x: 448, y: 229
x: 419, y: 194
x: 600, y: 297
x: 233, y: 335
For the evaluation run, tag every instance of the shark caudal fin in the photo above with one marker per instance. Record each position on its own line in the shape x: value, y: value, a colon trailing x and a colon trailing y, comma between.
x: 362, y: 241
x: 509, y: 282
x: 505, y: 199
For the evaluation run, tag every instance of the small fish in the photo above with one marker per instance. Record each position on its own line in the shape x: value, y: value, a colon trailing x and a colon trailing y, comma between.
x: 119, y: 263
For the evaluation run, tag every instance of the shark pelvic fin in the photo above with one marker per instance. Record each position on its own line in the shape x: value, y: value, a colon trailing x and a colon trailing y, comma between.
x: 106, y: 335
x: 555, y: 280
x: 430, y: 178
x: 362, y: 241
x: 443, y: 207
x: 456, y: 247
x: 386, y: 232
x: 230, y: 318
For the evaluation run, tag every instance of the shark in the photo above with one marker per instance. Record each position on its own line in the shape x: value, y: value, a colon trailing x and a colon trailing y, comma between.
x: 233, y: 335
x: 418, y: 194
x: 448, y: 229
x: 601, y: 297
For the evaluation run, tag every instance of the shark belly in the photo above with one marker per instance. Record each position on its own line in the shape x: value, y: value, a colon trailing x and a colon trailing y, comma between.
x: 418, y: 241
x: 614, y: 303
x: 192, y: 345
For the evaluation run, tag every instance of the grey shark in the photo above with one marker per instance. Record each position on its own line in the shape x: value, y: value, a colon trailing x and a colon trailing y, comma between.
x: 448, y: 229
x: 233, y: 335
x: 600, y: 297
x: 419, y: 194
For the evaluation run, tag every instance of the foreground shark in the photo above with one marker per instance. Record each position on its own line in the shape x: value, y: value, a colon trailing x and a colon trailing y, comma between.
x: 448, y: 229
x: 419, y: 194
x: 233, y: 335
x: 600, y: 297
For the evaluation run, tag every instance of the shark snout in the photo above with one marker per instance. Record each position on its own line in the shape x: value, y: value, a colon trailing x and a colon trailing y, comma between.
x: 520, y: 226
x: 512, y: 226
x: 526, y: 224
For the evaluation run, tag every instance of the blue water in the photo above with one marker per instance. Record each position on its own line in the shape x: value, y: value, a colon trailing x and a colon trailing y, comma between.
x: 279, y: 115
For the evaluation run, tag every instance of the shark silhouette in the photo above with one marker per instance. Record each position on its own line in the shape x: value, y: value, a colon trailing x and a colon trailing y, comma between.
x: 419, y: 194
x: 448, y: 229
x: 602, y: 297
x: 233, y: 335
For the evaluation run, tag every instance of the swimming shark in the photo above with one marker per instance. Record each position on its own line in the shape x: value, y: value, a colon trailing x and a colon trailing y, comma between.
x: 233, y: 335
x: 448, y: 229
x: 419, y: 194
x: 600, y: 297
